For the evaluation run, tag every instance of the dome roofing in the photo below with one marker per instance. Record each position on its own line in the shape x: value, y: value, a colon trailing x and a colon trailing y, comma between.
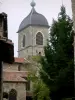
x: 33, y: 19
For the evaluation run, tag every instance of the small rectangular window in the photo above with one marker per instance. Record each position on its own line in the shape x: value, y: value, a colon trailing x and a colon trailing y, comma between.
x: 19, y: 67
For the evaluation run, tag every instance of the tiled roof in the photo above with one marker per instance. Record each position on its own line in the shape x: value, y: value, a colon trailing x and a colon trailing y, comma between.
x: 33, y: 19
x: 17, y: 76
x: 19, y: 60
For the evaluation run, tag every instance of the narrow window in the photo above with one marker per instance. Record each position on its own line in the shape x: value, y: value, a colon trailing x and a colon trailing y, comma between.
x: 19, y: 67
x: 23, y: 40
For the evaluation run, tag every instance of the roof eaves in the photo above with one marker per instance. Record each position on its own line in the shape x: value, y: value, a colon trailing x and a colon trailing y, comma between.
x: 32, y: 25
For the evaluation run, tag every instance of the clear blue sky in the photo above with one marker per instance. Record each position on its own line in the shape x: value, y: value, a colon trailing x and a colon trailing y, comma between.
x: 19, y: 9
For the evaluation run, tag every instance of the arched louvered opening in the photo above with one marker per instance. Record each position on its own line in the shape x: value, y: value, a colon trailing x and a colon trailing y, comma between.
x: 39, y: 38
x: 12, y: 94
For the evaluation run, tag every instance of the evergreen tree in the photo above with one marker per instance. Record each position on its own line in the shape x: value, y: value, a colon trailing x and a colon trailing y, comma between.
x: 57, y: 65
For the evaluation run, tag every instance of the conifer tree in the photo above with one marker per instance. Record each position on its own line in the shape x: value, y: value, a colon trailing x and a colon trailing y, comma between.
x: 57, y: 70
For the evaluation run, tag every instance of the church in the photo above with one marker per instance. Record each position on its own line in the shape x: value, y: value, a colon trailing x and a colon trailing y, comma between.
x: 32, y: 37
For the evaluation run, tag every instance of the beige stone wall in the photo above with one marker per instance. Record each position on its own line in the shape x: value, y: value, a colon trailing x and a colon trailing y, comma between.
x: 31, y: 47
x: 1, y: 32
x: 14, y: 67
x: 20, y: 38
x: 10, y: 67
x: 24, y: 67
x: 28, y: 51
x: 19, y: 87
x: 73, y: 10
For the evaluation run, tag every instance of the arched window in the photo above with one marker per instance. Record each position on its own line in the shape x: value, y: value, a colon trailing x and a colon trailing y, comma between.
x: 23, y: 41
x: 39, y: 38
x: 12, y: 94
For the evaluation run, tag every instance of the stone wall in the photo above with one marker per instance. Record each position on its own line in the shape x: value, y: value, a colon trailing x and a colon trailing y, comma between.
x: 19, y: 87
x: 20, y: 38
x: 10, y: 67
x: 73, y: 10
x: 30, y: 43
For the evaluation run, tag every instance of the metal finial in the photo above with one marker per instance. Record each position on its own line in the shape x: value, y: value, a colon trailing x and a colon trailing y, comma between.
x: 33, y: 3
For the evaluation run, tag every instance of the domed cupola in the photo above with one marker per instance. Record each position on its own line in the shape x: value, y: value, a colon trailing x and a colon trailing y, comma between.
x: 33, y: 19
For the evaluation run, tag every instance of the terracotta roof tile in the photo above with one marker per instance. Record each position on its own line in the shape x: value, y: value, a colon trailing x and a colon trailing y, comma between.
x: 14, y: 76
x: 19, y: 60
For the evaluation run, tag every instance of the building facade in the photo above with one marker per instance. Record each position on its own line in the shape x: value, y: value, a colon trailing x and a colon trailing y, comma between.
x: 73, y: 10
x: 32, y: 34
x: 32, y: 37
x: 15, y: 79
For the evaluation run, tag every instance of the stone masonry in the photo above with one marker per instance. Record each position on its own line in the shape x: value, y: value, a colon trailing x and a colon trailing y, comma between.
x: 30, y: 44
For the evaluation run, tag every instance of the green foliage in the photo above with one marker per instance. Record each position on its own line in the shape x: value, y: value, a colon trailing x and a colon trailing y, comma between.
x: 57, y: 65
x: 36, y: 58
x: 40, y: 90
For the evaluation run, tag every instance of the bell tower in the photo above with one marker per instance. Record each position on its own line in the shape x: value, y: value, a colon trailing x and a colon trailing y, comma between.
x: 32, y: 34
